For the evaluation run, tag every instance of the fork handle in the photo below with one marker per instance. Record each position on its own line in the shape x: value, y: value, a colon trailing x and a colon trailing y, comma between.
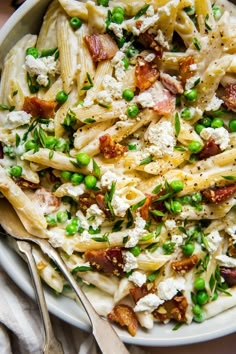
x: 52, y: 345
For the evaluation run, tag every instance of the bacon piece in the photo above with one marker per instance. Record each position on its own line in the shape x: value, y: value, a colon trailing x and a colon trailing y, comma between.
x: 146, y: 73
x: 23, y: 184
x: 109, y: 261
x: 85, y: 201
x: 148, y: 41
x: 39, y: 108
x: 219, y: 195
x: 101, y: 46
x: 171, y: 83
x: 172, y: 309
x: 185, y: 265
x: 232, y: 248
x: 125, y: 316
x: 230, y: 97
x: 184, y: 68
x: 144, y: 209
x: 46, y: 200
x: 209, y: 149
x: 229, y: 275
x: 140, y: 291
x: 1, y: 151
x: 163, y: 99
x: 109, y: 148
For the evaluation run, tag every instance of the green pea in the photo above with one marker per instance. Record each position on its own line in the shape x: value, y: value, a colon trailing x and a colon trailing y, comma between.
x: 190, y: 95
x: 199, y: 284
x: 176, y: 207
x: 206, y: 121
x: 50, y: 142
x: 195, y: 146
x: 77, y: 178
x: 83, y: 159
x: 177, y: 185
x: 66, y: 175
x: 214, y: 296
x: 118, y: 9
x: 197, y: 310
x: 202, y: 297
x: 217, y: 12
x: 75, y: 221
x: 232, y: 125
x: 136, y: 250
x: 198, y: 128
x: 61, y: 145
x: 51, y: 219
x: 117, y: 17
x: 62, y: 216
x: 32, y: 51
x: 71, y: 229
x: 188, y: 248
x: 120, y: 42
x: 103, y: 2
x: 186, y: 114
x: 126, y: 63
x: 186, y: 199
x: 197, y: 197
x: 132, y: 111
x: 16, y: 171
x: 199, y: 318
x: 30, y: 145
x: 128, y: 94
x: 61, y: 97
x: 90, y: 182
x: 168, y: 247
x: 75, y: 23
x: 217, y: 123
x: 131, y: 51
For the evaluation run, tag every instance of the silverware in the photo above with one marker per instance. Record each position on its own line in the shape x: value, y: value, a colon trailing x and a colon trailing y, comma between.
x: 106, y: 337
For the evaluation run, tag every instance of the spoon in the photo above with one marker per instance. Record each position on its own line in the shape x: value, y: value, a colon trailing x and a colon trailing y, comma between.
x: 106, y: 337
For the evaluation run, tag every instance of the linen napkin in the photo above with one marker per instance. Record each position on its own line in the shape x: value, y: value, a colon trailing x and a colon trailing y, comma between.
x: 21, y: 329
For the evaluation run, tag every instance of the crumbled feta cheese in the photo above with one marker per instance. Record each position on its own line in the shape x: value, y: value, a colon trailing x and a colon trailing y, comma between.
x: 193, y: 67
x: 214, y: 104
x: 145, y: 100
x: 85, y: 236
x: 104, y: 98
x: 170, y: 224
x: 15, y: 119
x: 95, y: 216
x: 150, y: 11
x: 177, y: 239
x: 213, y: 241
x: 41, y: 67
x: 114, y: 87
x: 191, y: 82
x: 119, y: 205
x: 130, y: 261
x: 226, y: 261
x: 70, y: 190
x: 57, y: 239
x: 162, y: 136
x: 150, y: 57
x: 138, y: 278
x: 82, y: 220
x: 88, y: 102
x: 219, y: 135
x: 160, y: 38
x: 148, y: 303
x: 119, y: 65
x: 116, y: 29
x: 107, y: 178
x: 169, y: 287
x: 135, y: 233
x: 123, y: 116
x: 232, y: 231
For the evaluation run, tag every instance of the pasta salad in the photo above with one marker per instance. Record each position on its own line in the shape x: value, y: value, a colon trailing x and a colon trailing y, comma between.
x: 118, y: 145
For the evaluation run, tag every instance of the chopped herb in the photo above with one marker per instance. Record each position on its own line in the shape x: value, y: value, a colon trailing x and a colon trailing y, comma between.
x: 17, y: 139
x: 108, y: 204
x: 229, y: 178
x: 157, y: 189
x: 132, y: 147
x: 125, y: 239
x: 138, y: 205
x: 196, y: 82
x: 33, y: 126
x: 32, y: 84
x: 158, y: 229
x: 177, y: 326
x: 103, y: 238
x: 168, y: 247
x: 177, y: 124
x: 104, y: 105
x: 112, y: 191
x: 152, y: 247
x: 96, y: 169
x: 91, y: 231
x: 196, y: 43
x: 146, y: 238
x: 130, y: 219
x: 81, y: 269
x: 179, y: 148
x: 49, y: 52
x: 88, y: 87
x: 70, y: 119
x: 208, y: 27
x: 117, y: 226
x: 4, y: 107
x: 157, y: 213
x: 42, y: 136
x: 163, y: 197
x: 74, y: 163
x: 152, y: 277
x: 204, y: 240
x: 89, y: 121
x: 146, y: 160
x: 141, y: 12
x: 50, y: 155
x: 15, y: 93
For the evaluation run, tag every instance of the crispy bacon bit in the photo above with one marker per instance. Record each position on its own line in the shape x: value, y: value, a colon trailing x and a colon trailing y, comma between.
x: 23, y: 184
x: 109, y: 148
x: 171, y: 83
x: 232, y: 248
x: 85, y: 201
x: 140, y: 291
x: 230, y: 96
x: 172, y: 309
x: 148, y: 41
x: 184, y: 265
x: 219, y: 195
x: 1, y: 151
x: 39, y: 108
x: 209, y: 149
x: 46, y: 200
x: 229, y: 275
x: 101, y: 46
x: 146, y: 73
x: 109, y: 261
x: 125, y: 316
x: 184, y: 68
x: 164, y: 100
x: 144, y: 210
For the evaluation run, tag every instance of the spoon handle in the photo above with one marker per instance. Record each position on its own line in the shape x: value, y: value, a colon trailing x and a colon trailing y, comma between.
x: 52, y: 345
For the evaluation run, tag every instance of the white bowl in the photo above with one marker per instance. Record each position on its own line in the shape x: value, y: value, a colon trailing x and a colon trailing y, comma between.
x: 27, y: 20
